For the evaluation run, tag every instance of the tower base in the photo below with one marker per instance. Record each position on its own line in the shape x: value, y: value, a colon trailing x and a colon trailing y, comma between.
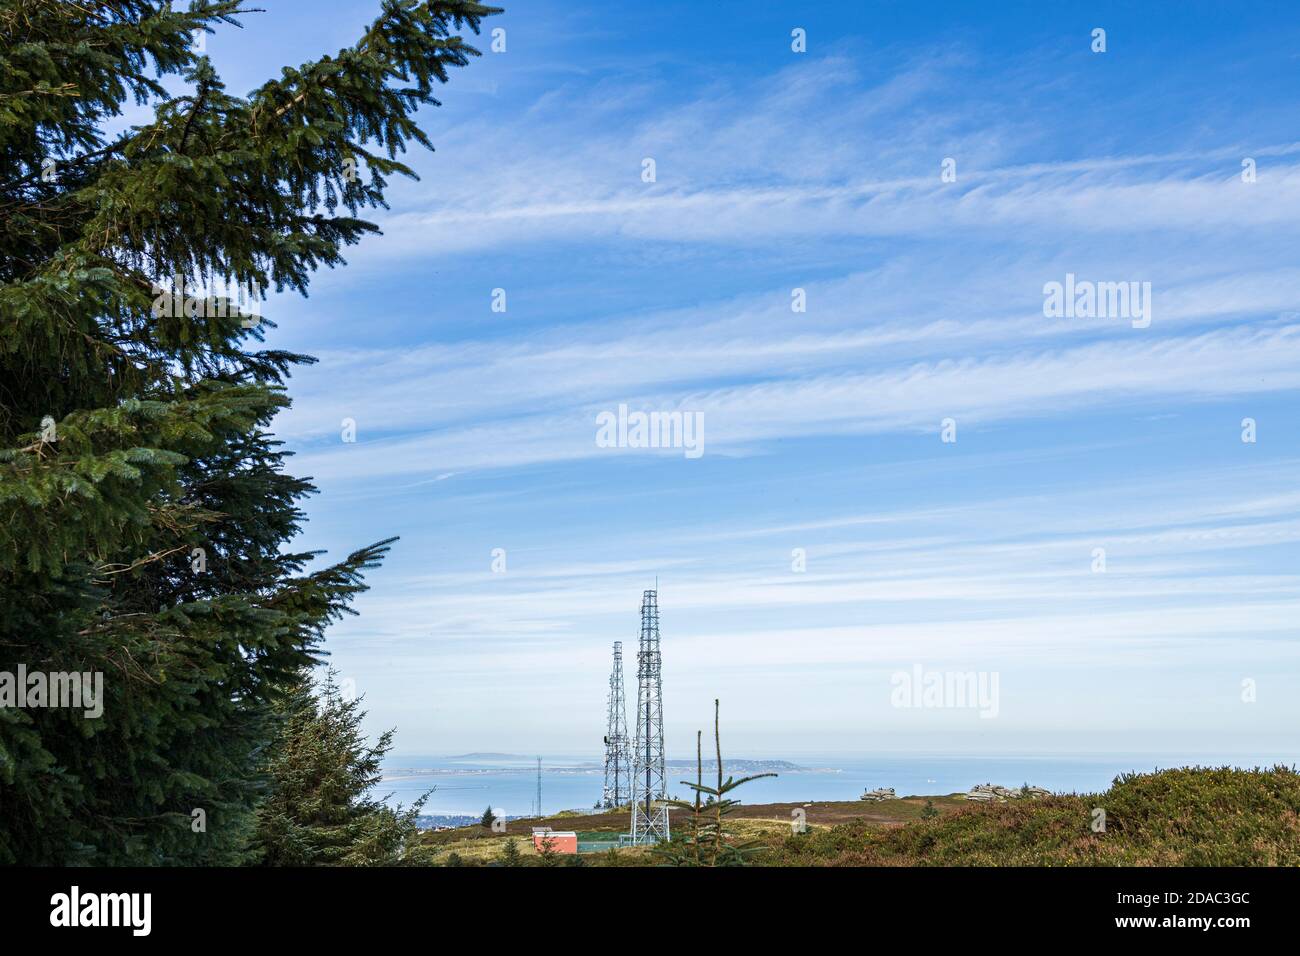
x: 649, y: 827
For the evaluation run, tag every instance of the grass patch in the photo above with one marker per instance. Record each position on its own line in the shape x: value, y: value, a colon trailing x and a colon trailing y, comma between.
x: 1185, y: 817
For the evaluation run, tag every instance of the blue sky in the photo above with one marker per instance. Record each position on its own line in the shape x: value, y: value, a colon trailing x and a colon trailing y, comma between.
x: 821, y: 171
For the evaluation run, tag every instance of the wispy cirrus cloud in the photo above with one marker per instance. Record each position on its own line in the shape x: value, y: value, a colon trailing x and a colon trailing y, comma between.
x: 924, y: 302
x: 916, y: 396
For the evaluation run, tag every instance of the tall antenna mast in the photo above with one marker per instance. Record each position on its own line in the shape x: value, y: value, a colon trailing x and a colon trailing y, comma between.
x: 649, y: 786
x: 617, y: 772
x: 539, y: 786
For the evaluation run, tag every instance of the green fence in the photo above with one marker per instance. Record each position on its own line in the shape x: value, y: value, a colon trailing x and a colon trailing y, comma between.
x: 597, y: 841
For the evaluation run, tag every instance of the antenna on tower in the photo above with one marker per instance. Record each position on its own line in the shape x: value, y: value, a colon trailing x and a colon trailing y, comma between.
x: 618, y: 774
x: 649, y: 786
x: 539, y: 787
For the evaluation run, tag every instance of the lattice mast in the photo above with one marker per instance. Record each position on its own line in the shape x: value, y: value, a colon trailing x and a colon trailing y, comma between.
x: 649, y: 784
x: 618, y: 772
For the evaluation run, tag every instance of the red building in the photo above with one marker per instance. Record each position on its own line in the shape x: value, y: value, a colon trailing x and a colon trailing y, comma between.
x: 561, y: 841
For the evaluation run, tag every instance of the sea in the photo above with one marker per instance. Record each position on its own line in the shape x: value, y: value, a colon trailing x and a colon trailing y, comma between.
x: 464, y: 785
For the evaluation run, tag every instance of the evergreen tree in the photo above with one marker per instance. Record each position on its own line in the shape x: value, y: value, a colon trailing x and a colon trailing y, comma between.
x: 549, y: 855
x: 510, y: 855
x: 487, y: 819
x: 706, y: 840
x: 321, y: 811
x: 144, y: 505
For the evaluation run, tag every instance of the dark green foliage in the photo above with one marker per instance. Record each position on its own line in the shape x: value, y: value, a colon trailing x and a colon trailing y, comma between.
x: 929, y: 811
x: 321, y: 811
x: 488, y: 817
x: 156, y: 438
x: 706, y: 840
x: 510, y: 855
x: 548, y: 854
x: 1185, y: 817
